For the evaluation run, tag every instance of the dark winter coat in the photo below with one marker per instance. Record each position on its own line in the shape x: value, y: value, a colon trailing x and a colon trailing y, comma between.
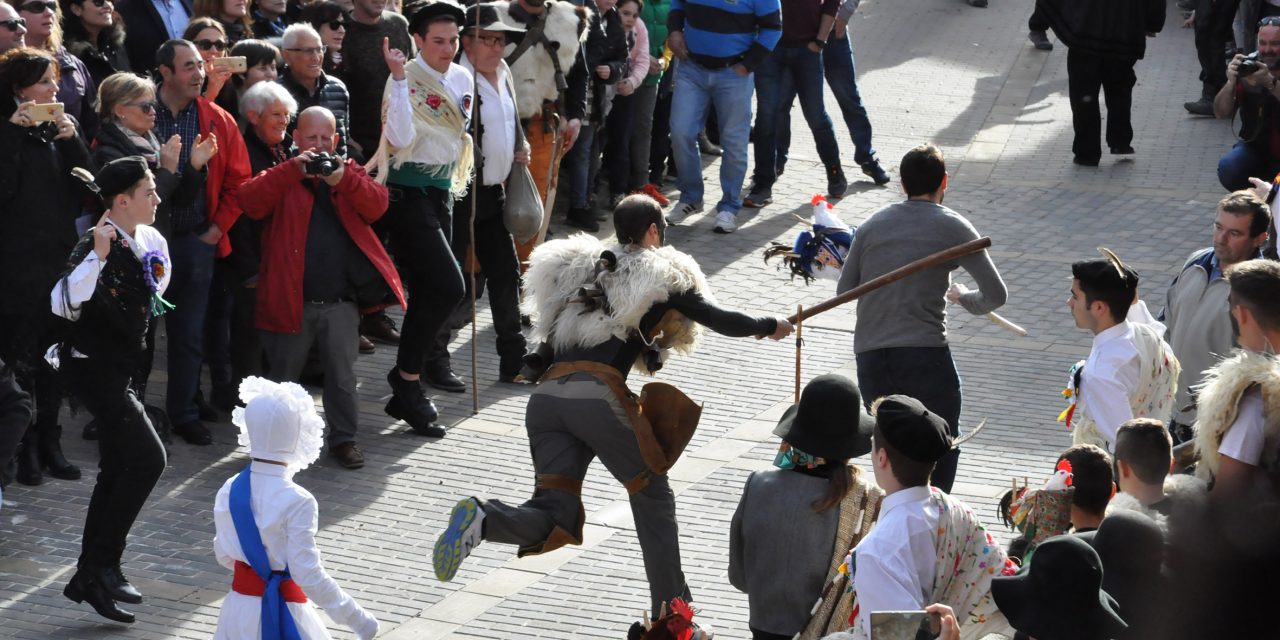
x: 39, y: 203
x: 179, y: 189
x: 331, y: 94
x: 1108, y: 28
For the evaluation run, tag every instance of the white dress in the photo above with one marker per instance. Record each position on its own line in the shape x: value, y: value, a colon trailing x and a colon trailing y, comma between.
x: 287, y: 518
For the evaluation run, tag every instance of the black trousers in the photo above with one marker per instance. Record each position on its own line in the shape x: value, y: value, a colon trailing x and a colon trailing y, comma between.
x: 1037, y: 22
x: 660, y: 145
x: 132, y: 457
x: 500, y: 268
x: 1212, y: 33
x: 1089, y: 76
x: 419, y: 224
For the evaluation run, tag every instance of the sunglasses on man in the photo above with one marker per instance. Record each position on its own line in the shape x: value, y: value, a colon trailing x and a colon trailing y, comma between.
x: 14, y: 24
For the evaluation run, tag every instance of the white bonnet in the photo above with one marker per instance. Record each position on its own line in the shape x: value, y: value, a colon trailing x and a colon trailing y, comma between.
x: 279, y: 422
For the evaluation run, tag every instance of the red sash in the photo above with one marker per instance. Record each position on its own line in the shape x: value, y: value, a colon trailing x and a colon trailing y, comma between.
x: 247, y: 582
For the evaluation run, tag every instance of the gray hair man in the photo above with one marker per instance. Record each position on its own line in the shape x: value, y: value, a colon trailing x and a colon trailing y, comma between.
x: 303, y: 75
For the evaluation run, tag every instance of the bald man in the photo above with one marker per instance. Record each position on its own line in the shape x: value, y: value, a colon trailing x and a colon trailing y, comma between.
x: 321, y: 264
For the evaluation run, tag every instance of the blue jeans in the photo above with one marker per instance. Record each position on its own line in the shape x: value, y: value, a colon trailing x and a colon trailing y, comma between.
x: 1243, y: 162
x: 577, y: 165
x: 838, y: 67
x: 927, y: 374
x: 698, y: 89
x: 786, y: 73
x: 189, y: 292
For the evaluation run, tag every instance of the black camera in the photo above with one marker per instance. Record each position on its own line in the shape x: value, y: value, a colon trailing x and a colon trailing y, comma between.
x: 1248, y: 66
x: 322, y: 164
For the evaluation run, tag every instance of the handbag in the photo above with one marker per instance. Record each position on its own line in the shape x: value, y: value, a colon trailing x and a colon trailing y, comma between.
x: 523, y: 211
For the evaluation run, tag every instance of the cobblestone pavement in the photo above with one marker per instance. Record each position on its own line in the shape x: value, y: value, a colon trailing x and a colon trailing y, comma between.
x: 929, y: 70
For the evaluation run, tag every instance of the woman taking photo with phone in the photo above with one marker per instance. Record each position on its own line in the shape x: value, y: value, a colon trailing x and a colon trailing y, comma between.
x: 39, y: 203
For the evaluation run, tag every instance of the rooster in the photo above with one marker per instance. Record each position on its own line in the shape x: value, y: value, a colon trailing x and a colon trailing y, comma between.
x: 1039, y: 513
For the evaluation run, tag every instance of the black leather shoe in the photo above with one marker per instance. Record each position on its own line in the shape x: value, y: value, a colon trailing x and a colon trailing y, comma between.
x: 380, y: 327
x: 194, y: 432
x: 117, y: 586
x: 1201, y: 107
x: 49, y: 451
x: 1085, y: 162
x: 409, y: 403
x: 1122, y: 151
x: 82, y: 589
x: 444, y: 379
x: 90, y: 431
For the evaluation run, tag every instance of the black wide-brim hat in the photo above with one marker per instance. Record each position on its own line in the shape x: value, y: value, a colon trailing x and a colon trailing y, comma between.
x: 830, y: 421
x: 422, y: 12
x: 1131, y: 547
x: 1060, y: 594
x: 489, y: 20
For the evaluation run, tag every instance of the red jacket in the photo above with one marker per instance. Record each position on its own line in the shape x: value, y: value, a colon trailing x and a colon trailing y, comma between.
x: 280, y: 196
x: 228, y: 169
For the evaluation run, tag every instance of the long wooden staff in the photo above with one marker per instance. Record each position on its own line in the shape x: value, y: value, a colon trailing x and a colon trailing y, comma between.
x: 799, y: 347
x: 477, y: 181
x: 958, y: 251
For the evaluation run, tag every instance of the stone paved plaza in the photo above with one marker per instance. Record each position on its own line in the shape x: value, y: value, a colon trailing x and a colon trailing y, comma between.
x: 935, y: 70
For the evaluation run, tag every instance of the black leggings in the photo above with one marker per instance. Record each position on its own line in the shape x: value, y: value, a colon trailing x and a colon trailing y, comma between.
x: 132, y: 457
x: 419, y: 225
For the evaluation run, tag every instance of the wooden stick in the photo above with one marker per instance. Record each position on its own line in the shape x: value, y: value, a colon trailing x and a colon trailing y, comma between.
x: 799, y: 345
x: 958, y: 251
x: 477, y: 181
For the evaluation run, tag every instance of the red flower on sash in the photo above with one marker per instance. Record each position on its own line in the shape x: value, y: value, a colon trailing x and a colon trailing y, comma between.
x: 434, y: 101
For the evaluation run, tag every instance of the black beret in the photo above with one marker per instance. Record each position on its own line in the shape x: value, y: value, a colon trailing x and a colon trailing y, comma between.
x: 119, y: 176
x: 913, y: 430
x: 422, y: 12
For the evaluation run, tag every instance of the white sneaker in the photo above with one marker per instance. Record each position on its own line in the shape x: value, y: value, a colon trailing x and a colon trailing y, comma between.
x: 461, y: 536
x: 681, y: 211
x: 726, y: 222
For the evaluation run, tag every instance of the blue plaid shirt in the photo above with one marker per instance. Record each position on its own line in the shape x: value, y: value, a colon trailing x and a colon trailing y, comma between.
x: 193, y: 218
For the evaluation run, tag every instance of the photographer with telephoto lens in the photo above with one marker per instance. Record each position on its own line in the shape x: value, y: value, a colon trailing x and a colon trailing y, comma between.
x: 1252, y: 90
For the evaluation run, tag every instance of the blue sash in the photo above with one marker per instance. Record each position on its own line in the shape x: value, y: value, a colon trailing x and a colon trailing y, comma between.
x: 277, y: 622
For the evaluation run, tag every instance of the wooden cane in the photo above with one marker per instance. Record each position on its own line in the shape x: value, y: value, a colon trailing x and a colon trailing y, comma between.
x: 958, y: 251
x: 477, y: 182
x: 799, y: 345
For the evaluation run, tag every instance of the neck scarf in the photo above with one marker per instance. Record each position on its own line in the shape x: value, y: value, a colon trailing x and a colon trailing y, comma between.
x: 277, y: 622
x: 146, y: 145
x: 435, y: 114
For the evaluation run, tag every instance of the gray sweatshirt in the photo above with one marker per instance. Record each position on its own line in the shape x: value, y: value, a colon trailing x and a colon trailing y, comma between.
x: 912, y: 312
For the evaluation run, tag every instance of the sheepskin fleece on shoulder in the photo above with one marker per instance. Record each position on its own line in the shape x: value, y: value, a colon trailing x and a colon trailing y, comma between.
x: 1179, y: 489
x: 643, y: 278
x: 1219, y: 402
x: 533, y: 74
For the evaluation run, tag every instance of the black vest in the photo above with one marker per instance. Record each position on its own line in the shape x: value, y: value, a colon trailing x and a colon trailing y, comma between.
x: 113, y: 323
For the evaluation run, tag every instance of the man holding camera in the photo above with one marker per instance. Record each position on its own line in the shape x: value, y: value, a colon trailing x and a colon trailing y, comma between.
x: 1252, y: 90
x: 321, y: 263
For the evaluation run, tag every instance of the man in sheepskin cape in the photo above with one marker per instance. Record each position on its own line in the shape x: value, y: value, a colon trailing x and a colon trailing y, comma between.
x: 1238, y: 415
x: 602, y: 310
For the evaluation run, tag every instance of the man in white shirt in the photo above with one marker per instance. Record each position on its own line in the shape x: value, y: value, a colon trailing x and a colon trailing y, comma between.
x: 1131, y: 372
x: 502, y: 145
x: 425, y: 159
x: 1236, y: 429
x: 926, y: 545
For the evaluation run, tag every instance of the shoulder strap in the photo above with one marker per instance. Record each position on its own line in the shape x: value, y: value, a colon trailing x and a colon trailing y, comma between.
x: 277, y: 621
x: 532, y: 35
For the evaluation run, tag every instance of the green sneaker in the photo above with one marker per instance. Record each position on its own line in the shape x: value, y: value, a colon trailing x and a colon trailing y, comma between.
x: 459, y: 538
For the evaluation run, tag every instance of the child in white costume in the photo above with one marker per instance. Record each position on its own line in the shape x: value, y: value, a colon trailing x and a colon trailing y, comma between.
x: 280, y: 427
